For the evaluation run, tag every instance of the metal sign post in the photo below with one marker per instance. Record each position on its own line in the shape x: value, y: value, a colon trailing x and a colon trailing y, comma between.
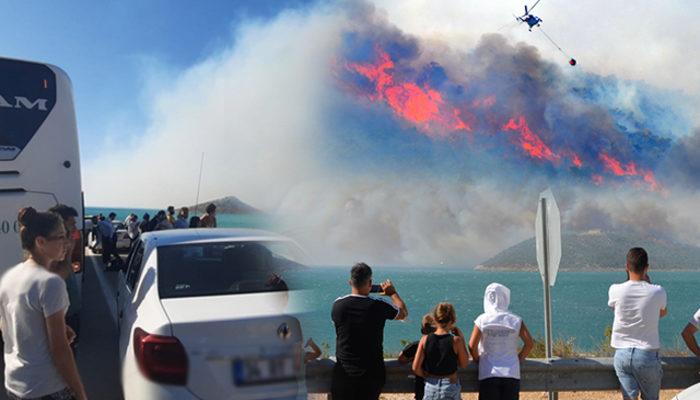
x: 548, y: 243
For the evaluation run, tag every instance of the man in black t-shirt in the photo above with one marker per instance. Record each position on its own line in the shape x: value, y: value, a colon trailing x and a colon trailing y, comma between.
x: 359, y: 326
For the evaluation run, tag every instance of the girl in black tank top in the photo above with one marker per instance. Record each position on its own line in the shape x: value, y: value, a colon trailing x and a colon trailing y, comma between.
x: 440, y: 354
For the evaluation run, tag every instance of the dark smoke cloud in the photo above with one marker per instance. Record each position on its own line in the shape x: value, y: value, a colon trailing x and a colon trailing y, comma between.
x: 589, y: 216
x: 683, y: 162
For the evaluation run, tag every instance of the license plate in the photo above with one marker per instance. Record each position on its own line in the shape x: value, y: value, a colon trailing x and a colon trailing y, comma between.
x: 257, y: 371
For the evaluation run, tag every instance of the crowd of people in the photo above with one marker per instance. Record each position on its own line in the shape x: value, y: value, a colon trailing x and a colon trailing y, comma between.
x: 499, y: 340
x: 39, y: 300
x: 37, y: 331
x: 105, y: 234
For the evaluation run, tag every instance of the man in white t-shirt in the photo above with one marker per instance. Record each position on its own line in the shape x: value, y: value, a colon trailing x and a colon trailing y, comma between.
x: 688, y: 333
x: 638, y: 307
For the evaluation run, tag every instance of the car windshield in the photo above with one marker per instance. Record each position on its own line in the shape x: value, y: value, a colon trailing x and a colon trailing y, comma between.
x: 208, y: 269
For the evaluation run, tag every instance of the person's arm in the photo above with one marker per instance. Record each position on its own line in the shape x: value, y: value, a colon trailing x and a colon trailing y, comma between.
x: 528, y: 343
x: 460, y: 348
x: 688, y: 335
x: 62, y: 355
x: 315, y: 351
x: 664, y: 308
x: 418, y: 360
x: 474, y: 343
x: 403, y: 359
x: 389, y: 290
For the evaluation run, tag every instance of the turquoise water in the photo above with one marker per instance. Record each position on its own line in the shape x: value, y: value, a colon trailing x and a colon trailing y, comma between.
x: 579, y: 299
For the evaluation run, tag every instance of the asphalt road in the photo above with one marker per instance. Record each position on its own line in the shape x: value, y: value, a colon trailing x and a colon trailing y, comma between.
x: 97, y: 352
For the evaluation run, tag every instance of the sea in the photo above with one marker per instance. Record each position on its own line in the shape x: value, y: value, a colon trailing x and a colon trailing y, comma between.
x: 579, y: 299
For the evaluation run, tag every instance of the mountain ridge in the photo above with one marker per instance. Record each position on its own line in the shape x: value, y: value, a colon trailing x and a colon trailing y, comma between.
x: 227, y: 205
x: 598, y: 251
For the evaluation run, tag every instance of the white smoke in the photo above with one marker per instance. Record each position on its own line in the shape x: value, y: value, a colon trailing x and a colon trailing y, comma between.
x: 253, y: 110
x: 256, y: 111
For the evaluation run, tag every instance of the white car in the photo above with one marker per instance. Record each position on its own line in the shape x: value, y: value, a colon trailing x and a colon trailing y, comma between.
x: 691, y: 393
x: 201, y: 316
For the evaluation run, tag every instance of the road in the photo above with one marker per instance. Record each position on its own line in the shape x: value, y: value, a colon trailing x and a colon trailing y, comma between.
x: 97, y: 352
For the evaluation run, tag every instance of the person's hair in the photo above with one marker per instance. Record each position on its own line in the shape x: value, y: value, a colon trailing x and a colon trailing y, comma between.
x: 112, y: 215
x: 360, y: 274
x: 171, y: 209
x: 184, y: 211
x: 194, y: 222
x: 276, y: 284
x: 444, y: 313
x: 64, y: 211
x: 33, y: 224
x: 211, y: 208
x: 146, y: 216
x: 427, y: 324
x: 161, y: 213
x: 637, y: 260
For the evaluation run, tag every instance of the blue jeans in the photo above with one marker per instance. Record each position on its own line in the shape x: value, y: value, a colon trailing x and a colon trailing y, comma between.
x: 441, y: 389
x: 638, y: 371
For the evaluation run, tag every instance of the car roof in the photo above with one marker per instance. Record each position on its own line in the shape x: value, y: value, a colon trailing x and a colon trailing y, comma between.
x: 195, y: 235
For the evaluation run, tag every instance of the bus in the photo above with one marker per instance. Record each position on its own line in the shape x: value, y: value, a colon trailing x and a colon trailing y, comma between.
x: 39, y: 154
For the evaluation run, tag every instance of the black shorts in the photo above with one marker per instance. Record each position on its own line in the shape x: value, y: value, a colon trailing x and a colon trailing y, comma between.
x: 499, y: 389
x: 367, y: 386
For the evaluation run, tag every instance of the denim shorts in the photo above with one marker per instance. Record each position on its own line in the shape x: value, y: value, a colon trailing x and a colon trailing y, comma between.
x: 638, y: 371
x: 441, y: 388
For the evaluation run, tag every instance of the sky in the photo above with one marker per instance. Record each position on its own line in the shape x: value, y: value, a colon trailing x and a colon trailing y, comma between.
x: 401, y: 132
x: 115, y: 52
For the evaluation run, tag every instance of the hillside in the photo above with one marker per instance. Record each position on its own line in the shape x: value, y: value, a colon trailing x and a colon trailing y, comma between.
x: 597, y: 250
x: 227, y: 205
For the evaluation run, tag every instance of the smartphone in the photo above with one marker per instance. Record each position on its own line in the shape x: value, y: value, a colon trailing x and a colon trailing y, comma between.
x: 376, y: 289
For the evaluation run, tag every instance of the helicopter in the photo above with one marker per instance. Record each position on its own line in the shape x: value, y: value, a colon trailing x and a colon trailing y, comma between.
x: 529, y: 19
x: 533, y: 21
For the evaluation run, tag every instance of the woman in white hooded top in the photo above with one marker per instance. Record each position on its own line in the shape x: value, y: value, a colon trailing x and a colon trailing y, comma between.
x: 494, y: 345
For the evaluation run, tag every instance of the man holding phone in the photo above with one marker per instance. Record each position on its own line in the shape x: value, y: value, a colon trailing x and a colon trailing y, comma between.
x: 359, y: 325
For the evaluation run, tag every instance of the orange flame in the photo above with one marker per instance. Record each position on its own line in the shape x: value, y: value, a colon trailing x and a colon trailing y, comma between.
x: 615, y: 166
x: 424, y: 106
x: 529, y: 141
x: 576, y: 160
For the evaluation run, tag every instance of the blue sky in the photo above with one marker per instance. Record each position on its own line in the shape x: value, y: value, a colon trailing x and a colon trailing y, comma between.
x: 109, y: 47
